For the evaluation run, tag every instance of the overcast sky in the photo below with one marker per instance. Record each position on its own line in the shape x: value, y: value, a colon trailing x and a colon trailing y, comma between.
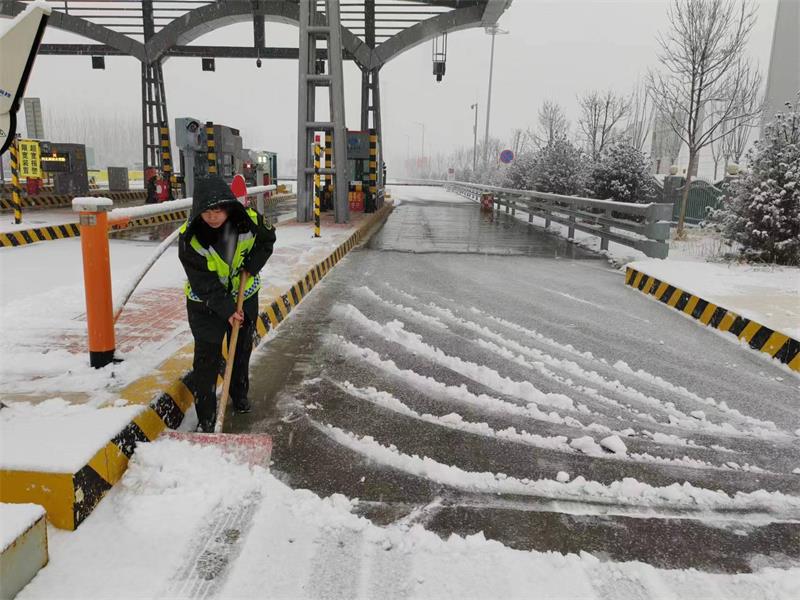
x: 555, y: 49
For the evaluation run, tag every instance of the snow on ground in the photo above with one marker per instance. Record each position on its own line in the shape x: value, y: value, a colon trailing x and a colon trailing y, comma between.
x: 24, y: 426
x: 42, y: 306
x: 16, y: 519
x: 768, y: 295
x: 37, y: 218
x: 152, y: 533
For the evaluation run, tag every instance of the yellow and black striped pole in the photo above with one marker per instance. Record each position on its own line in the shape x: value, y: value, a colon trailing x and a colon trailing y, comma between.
x: 211, y: 148
x: 329, y: 164
x: 16, y: 189
x: 372, y: 195
x: 316, y: 189
x: 166, y: 159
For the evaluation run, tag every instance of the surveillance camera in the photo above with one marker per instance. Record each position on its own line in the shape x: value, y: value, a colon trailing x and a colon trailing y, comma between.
x: 258, y: 63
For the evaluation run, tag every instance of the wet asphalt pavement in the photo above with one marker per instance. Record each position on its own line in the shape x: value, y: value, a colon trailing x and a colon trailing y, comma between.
x: 492, y: 347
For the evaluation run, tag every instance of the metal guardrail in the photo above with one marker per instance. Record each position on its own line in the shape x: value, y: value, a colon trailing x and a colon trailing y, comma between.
x: 644, y: 227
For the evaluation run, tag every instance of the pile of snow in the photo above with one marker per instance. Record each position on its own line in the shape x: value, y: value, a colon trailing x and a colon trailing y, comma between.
x: 297, y: 545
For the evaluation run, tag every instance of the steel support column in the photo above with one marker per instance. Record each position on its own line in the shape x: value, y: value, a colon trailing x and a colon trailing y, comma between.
x: 315, y: 25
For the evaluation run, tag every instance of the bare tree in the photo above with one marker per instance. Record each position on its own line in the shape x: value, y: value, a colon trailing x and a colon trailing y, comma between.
x: 600, y: 114
x: 521, y: 141
x: 737, y: 130
x: 553, y: 124
x: 703, y: 62
x: 640, y: 116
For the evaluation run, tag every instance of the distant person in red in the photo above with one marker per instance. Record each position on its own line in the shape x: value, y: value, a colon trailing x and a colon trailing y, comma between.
x: 221, y: 242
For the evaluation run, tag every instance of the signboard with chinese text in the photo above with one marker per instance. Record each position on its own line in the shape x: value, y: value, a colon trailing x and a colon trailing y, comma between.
x: 29, y: 159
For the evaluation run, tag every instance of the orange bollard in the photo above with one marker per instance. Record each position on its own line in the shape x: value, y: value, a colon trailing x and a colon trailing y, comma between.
x: 97, y: 278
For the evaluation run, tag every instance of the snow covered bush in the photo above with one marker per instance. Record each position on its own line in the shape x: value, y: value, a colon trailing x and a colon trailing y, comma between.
x: 520, y: 172
x: 559, y: 168
x: 762, y: 212
x: 622, y: 173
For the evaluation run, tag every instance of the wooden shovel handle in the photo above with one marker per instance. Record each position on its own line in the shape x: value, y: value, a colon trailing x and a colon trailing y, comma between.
x: 226, y: 382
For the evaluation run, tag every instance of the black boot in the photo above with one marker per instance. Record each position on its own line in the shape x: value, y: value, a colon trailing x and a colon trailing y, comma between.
x: 242, y: 405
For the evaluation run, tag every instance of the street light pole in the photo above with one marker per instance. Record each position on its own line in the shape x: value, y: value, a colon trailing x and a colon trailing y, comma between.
x: 493, y: 31
x: 475, y: 140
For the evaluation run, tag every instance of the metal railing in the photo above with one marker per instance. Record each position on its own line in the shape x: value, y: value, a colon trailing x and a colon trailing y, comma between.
x: 644, y: 227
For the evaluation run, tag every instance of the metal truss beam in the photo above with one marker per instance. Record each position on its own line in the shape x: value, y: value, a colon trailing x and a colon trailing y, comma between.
x: 206, y: 18
x: 462, y: 18
x: 182, y: 51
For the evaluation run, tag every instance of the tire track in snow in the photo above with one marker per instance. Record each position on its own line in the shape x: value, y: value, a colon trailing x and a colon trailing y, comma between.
x: 460, y: 394
x: 394, y: 331
x: 622, y: 367
x: 761, y: 429
x: 456, y: 422
x: 773, y: 506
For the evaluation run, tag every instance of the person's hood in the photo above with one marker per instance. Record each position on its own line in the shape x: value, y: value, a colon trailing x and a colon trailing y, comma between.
x: 212, y: 192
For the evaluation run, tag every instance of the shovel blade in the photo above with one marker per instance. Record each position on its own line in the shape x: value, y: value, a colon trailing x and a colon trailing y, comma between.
x: 253, y: 449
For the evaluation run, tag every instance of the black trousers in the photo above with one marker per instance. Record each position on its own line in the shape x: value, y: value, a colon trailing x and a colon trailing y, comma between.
x: 208, y: 364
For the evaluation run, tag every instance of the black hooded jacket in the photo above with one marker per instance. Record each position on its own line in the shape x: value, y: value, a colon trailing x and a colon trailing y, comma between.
x: 208, y: 319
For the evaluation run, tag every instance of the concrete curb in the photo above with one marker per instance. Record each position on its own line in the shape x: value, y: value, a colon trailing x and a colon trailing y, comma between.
x: 165, y: 397
x: 777, y: 345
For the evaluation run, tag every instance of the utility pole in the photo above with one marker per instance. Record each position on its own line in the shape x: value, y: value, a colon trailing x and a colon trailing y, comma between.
x: 475, y: 140
x: 422, y: 144
x: 493, y: 31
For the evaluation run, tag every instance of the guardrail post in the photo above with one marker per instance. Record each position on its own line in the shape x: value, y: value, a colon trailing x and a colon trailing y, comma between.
x: 604, y: 240
x: 508, y: 204
x: 513, y: 207
x: 547, y: 219
x: 97, y: 278
x: 530, y: 212
x: 571, y: 230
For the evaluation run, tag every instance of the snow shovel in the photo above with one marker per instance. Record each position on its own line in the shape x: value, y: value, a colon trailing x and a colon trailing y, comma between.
x: 251, y: 448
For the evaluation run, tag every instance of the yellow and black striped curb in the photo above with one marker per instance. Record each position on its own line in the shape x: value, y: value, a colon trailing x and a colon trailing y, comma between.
x: 759, y: 337
x: 39, y: 234
x: 60, y: 201
x: 70, y: 497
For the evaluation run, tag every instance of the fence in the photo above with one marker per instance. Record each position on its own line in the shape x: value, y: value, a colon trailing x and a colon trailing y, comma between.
x: 703, y: 196
x: 644, y: 227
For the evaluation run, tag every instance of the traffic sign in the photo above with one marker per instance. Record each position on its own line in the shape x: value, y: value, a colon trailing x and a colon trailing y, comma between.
x: 506, y: 156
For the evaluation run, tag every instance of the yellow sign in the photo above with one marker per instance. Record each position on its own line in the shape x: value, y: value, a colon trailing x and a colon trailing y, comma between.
x: 30, y: 159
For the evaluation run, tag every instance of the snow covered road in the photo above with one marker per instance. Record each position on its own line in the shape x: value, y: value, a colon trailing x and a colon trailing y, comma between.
x: 511, y: 384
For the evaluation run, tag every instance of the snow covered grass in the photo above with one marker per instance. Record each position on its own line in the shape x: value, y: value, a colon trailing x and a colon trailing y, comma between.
x: 298, y: 545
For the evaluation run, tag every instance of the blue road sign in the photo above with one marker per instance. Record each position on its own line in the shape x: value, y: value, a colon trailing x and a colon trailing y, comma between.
x: 506, y: 156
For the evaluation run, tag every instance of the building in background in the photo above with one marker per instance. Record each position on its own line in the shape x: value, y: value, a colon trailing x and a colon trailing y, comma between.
x: 783, y: 78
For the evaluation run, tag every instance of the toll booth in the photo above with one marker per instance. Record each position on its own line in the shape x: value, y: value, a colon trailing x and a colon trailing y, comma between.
x: 259, y: 167
x: 190, y: 138
x: 357, y: 154
x: 67, y: 164
x: 192, y: 143
x: 229, y: 151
